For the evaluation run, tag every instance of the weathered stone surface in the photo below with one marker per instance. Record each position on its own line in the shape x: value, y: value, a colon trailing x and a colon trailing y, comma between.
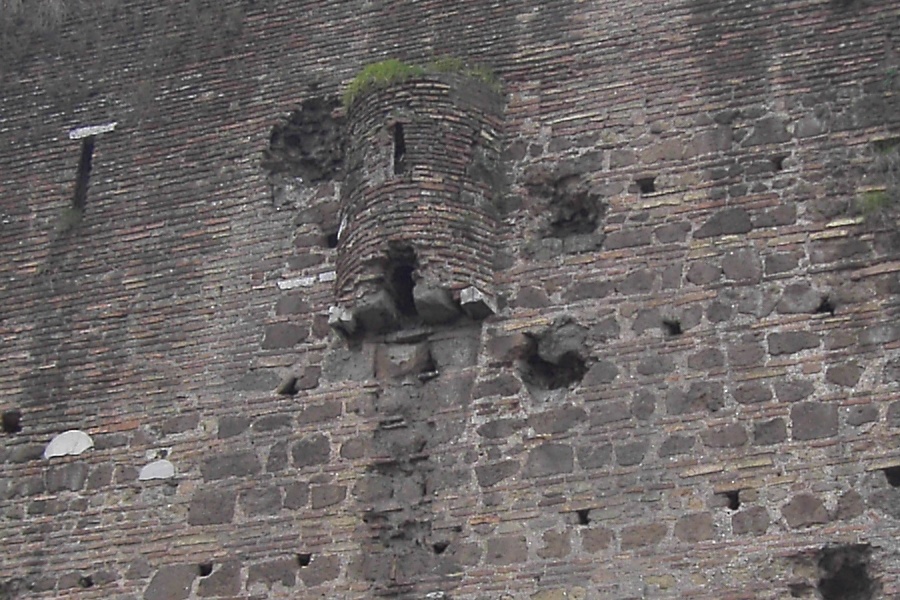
x: 892, y: 418
x: 232, y: 426
x: 813, y: 420
x: 549, y: 459
x: 752, y: 393
x: 557, y: 420
x: 703, y: 272
x: 804, y: 510
x: 793, y: 390
x: 296, y: 495
x: 637, y: 282
x: 768, y: 130
x: 594, y: 456
x: 772, y: 431
x: 171, y: 583
x: 434, y: 304
x: 69, y: 477
x: 790, y: 342
x: 701, y: 395
x: 68, y: 443
x: 377, y: 312
x: 849, y: 506
x: 752, y: 520
x: 708, y: 358
x: 596, y: 539
x: 236, y: 464
x: 349, y: 364
x: 180, y: 424
x: 322, y: 568
x: 742, y: 266
x: 556, y: 544
x: 211, y: 506
x: 323, y: 496
x: 271, y: 422
x: 672, y: 232
x: 861, y: 414
x: 506, y: 550
x: 695, y: 528
x: 401, y: 360
x: 726, y: 436
x: 655, y: 364
x: 283, y: 571
x: 628, y: 239
x: 643, y: 404
x: 284, y: 335
x: 312, y: 450
x: 158, y: 469
x: 264, y: 500
x: 846, y: 375
x: 631, y: 453
x: 730, y: 221
x: 676, y: 444
x: 476, y: 303
x: 225, y: 580
x: 609, y: 412
x: 799, y: 298
x: 493, y: 474
x: 639, y: 536
x: 500, y: 428
x: 601, y: 372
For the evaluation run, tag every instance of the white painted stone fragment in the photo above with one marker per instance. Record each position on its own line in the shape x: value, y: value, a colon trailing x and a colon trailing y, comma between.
x: 328, y: 276
x: 89, y: 130
x: 68, y: 443
x: 476, y: 303
x: 158, y: 469
x: 289, y: 284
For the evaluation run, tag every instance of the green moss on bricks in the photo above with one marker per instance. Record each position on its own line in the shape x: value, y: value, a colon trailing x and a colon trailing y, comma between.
x: 388, y: 72
x: 69, y: 218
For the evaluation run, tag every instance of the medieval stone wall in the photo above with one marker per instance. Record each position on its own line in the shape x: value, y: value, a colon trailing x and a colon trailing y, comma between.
x: 690, y: 388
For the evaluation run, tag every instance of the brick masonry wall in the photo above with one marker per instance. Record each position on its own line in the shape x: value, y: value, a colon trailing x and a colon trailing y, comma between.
x: 691, y: 388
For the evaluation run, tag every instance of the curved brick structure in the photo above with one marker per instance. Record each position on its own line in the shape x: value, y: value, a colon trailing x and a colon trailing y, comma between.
x: 423, y: 172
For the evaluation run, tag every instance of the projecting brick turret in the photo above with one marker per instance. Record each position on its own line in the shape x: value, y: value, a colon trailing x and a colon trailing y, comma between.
x: 417, y: 210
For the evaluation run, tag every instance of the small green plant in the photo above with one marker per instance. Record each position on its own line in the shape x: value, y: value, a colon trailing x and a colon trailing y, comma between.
x: 874, y: 202
x: 69, y: 219
x: 388, y: 72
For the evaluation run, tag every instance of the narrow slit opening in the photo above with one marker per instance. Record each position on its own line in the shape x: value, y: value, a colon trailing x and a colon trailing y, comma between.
x: 672, y: 327
x: 399, y: 149
x: 304, y: 558
x: 12, y: 421
x: 205, y: 569
x: 646, y: 185
x: 83, y: 177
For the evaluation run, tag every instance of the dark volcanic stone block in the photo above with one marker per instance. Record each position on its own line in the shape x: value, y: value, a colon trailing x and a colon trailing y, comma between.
x: 631, y: 453
x: 506, y: 550
x: 793, y: 390
x: 557, y: 420
x: 753, y: 520
x: 549, y: 459
x: 284, y: 335
x: 726, y: 222
x: 792, y: 341
x: 601, y: 372
x: 261, y: 501
x: 676, y: 444
x: 812, y: 420
x: 695, y: 528
x: 727, y: 436
x: 596, y: 539
x: 768, y: 432
x: 804, y: 510
x: 701, y: 395
x: 66, y: 477
x: 861, y: 414
x: 283, y: 571
x: 225, y: 580
x: 639, y: 536
x: 322, y: 568
x: 238, y: 464
x: 211, y: 506
x: 751, y: 393
x: 489, y: 475
x: 171, y: 583
x: 322, y: 496
x: 844, y: 375
x: 594, y: 456
x: 313, y: 450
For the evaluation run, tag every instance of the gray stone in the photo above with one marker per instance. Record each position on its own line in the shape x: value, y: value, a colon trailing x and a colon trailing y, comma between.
x: 377, y: 312
x: 676, y: 444
x: 702, y: 272
x: 861, y: 414
x: 476, y: 304
x: 296, y: 495
x: 701, y: 395
x: 799, y: 298
x: 435, y: 305
x: 792, y: 341
x: 171, y: 583
x: 236, y: 464
x: 601, y: 372
x: 557, y: 420
x: 656, y: 364
x: 232, y: 426
x: 639, y: 536
x: 257, y: 380
x: 549, y: 459
x: 261, y: 500
x: 813, y: 420
x: 284, y: 335
x: 323, y: 496
x: 804, y: 510
x: 769, y: 432
x: 506, y: 550
x: 846, y: 375
x: 322, y: 568
x: 313, y: 450
x: 282, y: 570
x: 752, y: 393
x: 609, y: 411
x: 793, y: 390
x: 594, y: 456
x: 637, y: 282
x: 727, y: 436
x: 631, y: 453
x: 695, y: 528
x: 643, y: 404
x: 211, y: 506
x: 69, y: 477
x: 342, y: 320
x: 708, y: 358
x: 753, y: 520
x: 225, y: 580
x: 493, y: 474
x: 730, y: 221
x: 628, y: 238
x: 742, y: 265
x: 768, y: 130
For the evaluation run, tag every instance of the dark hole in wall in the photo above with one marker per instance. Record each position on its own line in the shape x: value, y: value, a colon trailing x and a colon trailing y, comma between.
x: 584, y: 516
x: 439, y: 547
x: 886, y: 145
x: 576, y: 210
x: 892, y: 474
x: 845, y: 573
x: 12, y: 421
x: 205, y: 569
x: 304, y: 558
x: 778, y: 162
x: 825, y: 306
x: 646, y: 185
x: 800, y: 590
x: 399, y: 278
x: 83, y: 177
x: 86, y: 581
x: 542, y: 374
x: 399, y: 149
x: 672, y: 327
x: 288, y: 387
x: 308, y: 144
x: 331, y: 239
x: 733, y: 499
